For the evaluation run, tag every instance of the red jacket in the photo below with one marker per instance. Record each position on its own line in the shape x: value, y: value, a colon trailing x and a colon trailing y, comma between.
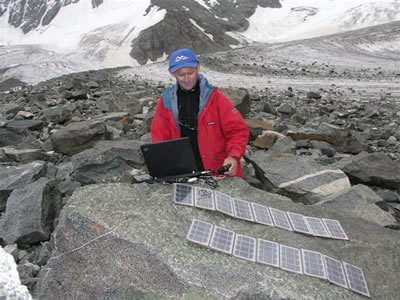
x: 221, y: 131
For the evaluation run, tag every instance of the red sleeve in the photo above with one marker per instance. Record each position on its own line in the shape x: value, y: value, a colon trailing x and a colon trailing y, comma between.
x: 233, y: 126
x: 161, y: 124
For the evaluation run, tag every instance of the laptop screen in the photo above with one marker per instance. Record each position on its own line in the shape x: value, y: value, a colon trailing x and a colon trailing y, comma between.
x: 169, y: 158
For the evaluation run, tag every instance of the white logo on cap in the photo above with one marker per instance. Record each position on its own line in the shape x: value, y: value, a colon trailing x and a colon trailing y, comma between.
x: 179, y: 58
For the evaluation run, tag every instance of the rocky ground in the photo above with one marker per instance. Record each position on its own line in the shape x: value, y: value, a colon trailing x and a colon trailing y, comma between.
x: 335, y: 103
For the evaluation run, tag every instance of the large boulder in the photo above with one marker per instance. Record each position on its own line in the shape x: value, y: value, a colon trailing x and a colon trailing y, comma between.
x: 31, y: 212
x: 341, y: 139
x: 299, y: 177
x: 108, y: 161
x: 376, y: 169
x: 78, y: 136
x: 240, y: 98
x: 123, y: 241
x: 361, y: 201
x: 17, y: 177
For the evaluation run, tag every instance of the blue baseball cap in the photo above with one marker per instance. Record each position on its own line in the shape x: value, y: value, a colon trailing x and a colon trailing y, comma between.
x: 182, y: 58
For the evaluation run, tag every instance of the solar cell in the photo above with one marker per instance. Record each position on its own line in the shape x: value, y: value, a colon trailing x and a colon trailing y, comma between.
x: 335, y: 229
x: 335, y: 271
x: 280, y: 219
x: 268, y: 252
x: 317, y: 227
x: 261, y: 214
x: 222, y: 240
x: 200, y: 232
x: 355, y: 278
x: 245, y: 247
x: 290, y: 259
x: 204, y: 198
x: 242, y: 209
x: 313, y: 264
x: 223, y: 203
x: 183, y: 194
x: 298, y: 222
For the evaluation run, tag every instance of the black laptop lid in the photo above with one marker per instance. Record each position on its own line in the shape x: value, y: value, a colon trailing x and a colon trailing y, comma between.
x: 169, y: 158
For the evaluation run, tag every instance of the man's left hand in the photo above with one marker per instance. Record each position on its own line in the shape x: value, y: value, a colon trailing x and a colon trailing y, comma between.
x: 233, y: 169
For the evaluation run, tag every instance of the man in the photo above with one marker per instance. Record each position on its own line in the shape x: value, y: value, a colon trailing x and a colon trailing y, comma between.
x: 193, y: 108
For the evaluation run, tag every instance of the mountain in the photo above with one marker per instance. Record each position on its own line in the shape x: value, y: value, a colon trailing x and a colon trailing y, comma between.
x: 40, y: 39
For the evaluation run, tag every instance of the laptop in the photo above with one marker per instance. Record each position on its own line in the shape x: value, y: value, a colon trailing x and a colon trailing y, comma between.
x: 169, y: 160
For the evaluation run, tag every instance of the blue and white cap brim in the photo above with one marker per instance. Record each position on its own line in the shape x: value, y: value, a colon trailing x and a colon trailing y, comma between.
x: 188, y: 64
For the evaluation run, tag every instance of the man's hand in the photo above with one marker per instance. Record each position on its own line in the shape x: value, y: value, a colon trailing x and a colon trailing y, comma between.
x: 233, y: 169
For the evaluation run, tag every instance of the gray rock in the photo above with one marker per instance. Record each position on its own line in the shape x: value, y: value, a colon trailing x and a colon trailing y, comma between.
x: 25, y: 125
x: 119, y: 239
x: 10, y: 138
x: 300, y: 178
x: 341, y: 139
x: 25, y: 156
x: 240, y: 98
x: 58, y: 114
x: 17, y: 177
x: 376, y: 169
x: 78, y: 136
x: 360, y: 201
x: 107, y: 161
x: 42, y: 200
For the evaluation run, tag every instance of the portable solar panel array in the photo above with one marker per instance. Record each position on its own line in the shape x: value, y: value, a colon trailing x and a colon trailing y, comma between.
x: 300, y: 261
x: 266, y: 252
x: 216, y: 201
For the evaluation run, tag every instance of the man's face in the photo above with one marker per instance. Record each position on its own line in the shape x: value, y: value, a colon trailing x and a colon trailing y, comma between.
x: 186, y: 77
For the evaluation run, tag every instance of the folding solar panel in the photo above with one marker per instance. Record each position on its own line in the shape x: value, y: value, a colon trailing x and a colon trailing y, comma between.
x: 223, y: 203
x: 317, y: 227
x: 290, y: 259
x: 245, y: 247
x: 280, y: 219
x: 335, y: 271
x: 204, y: 198
x: 299, y: 223
x: 261, y: 214
x: 242, y: 209
x: 183, y: 194
x: 200, y: 232
x: 356, y: 280
x: 335, y: 229
x: 222, y: 240
x: 268, y: 253
x: 313, y: 264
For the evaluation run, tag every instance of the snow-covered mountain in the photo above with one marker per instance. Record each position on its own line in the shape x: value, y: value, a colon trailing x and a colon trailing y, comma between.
x: 40, y: 39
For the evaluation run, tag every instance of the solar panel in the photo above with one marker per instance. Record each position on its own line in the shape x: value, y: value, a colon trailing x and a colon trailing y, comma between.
x: 335, y: 229
x: 261, y: 214
x: 204, y: 198
x: 313, y: 264
x: 298, y: 222
x: 245, y: 247
x: 242, y: 209
x: 317, y: 227
x: 335, y: 271
x: 355, y: 278
x: 183, y: 194
x: 268, y: 252
x: 200, y: 232
x: 290, y: 259
x: 223, y: 203
x: 280, y: 219
x: 222, y: 240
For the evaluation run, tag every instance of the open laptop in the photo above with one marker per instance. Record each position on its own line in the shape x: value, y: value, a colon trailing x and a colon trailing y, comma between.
x: 170, y: 160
